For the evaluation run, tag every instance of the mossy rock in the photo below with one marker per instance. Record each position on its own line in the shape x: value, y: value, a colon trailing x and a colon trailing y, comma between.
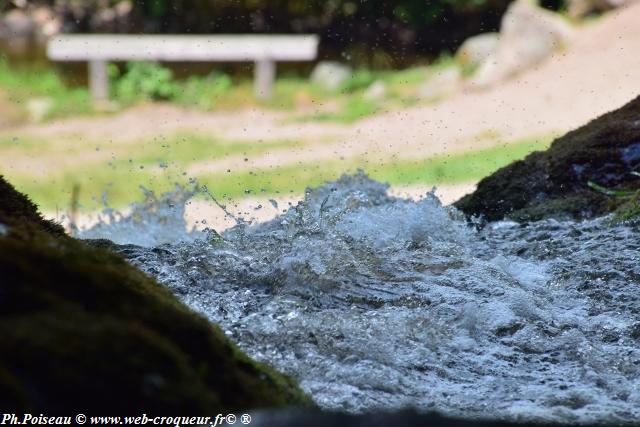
x: 82, y: 330
x: 17, y: 210
x: 554, y: 183
x: 630, y: 210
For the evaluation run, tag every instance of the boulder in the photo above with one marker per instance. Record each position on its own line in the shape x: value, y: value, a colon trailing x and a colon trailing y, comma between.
x: 376, y: 91
x: 17, y: 23
x: 330, y: 75
x: 47, y: 21
x: 84, y: 331
x: 16, y: 210
x: 39, y: 108
x: 528, y: 35
x: 556, y: 182
x: 477, y: 49
x: 441, y: 84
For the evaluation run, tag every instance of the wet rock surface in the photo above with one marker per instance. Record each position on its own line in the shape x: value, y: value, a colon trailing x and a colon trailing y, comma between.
x: 555, y: 182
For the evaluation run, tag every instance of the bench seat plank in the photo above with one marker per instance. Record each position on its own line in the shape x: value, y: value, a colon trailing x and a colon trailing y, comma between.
x: 265, y: 50
x: 83, y: 47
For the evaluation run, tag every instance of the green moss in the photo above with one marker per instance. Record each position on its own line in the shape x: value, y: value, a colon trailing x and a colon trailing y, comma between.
x: 568, y: 207
x: 555, y: 182
x: 17, y: 209
x: 628, y: 211
x: 83, y: 330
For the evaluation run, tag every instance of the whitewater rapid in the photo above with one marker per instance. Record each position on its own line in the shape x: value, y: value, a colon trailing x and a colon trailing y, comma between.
x: 374, y: 302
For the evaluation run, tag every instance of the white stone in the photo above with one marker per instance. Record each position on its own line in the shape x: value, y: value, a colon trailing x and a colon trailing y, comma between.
x: 442, y: 84
x: 330, y: 74
x: 529, y: 34
x: 376, y: 91
x: 17, y: 23
x: 47, y: 22
x: 38, y: 108
x: 477, y: 49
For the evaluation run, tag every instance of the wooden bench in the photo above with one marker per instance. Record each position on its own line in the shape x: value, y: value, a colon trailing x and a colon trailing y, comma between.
x: 263, y: 50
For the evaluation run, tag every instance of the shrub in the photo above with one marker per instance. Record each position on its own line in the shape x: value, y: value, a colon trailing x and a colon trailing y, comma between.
x: 143, y: 80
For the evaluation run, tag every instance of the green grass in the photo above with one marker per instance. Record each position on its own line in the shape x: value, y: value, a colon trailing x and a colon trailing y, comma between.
x: 25, y: 84
x: 452, y: 169
x: 119, y: 178
x: 354, y: 109
x: 157, y: 164
x: 457, y: 168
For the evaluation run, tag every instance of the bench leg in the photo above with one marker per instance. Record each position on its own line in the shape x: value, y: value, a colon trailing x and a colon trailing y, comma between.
x: 265, y: 75
x: 98, y: 80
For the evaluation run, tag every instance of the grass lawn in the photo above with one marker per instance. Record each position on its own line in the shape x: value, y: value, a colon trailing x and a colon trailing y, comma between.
x: 113, y: 172
x: 450, y: 169
x: 159, y: 165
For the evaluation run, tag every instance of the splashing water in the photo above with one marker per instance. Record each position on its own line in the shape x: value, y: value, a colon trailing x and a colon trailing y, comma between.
x: 374, y: 302
x: 155, y: 221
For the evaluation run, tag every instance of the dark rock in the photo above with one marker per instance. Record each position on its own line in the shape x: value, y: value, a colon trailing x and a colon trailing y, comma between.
x: 17, y: 210
x: 384, y: 419
x: 84, y: 331
x: 554, y: 183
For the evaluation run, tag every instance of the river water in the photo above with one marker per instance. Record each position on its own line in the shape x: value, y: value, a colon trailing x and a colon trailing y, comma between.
x: 379, y: 303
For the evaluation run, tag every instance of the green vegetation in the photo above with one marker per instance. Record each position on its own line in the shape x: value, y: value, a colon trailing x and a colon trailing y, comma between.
x: 143, y: 81
x: 161, y: 163
x: 352, y: 110
x: 80, y: 322
x: 149, y: 81
x: 630, y: 208
x: 457, y: 168
x: 115, y: 172
x: 24, y: 85
x: 451, y: 169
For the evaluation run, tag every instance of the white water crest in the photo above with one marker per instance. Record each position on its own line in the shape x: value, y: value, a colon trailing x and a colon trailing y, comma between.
x: 374, y: 302
x: 155, y: 221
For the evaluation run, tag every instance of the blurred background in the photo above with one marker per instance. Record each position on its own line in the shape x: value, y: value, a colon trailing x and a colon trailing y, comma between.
x: 417, y: 93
